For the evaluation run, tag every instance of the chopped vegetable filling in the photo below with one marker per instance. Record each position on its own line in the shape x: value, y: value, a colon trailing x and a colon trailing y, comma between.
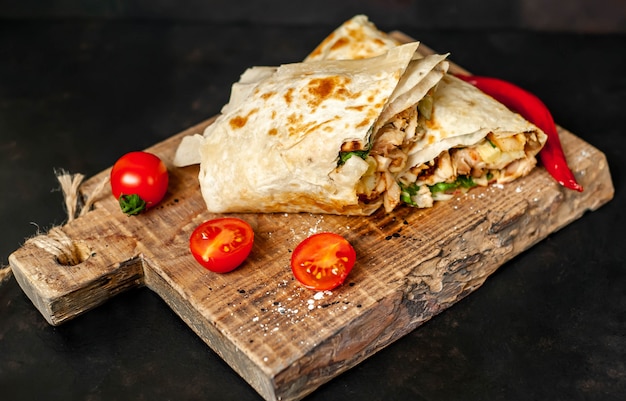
x: 494, y: 158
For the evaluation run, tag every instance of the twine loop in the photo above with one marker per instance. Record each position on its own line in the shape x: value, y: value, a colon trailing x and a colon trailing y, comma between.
x: 56, y: 241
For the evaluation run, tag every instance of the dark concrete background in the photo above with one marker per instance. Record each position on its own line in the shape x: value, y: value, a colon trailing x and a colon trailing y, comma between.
x: 560, y: 15
x: 82, y: 83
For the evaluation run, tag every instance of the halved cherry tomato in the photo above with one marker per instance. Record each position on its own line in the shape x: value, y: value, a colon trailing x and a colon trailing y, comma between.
x: 322, y: 261
x: 139, y: 181
x: 222, y: 244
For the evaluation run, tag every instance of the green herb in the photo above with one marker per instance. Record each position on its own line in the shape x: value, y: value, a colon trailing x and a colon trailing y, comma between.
x: 462, y: 181
x: 407, y: 192
x: 466, y: 181
x: 443, y: 187
x: 344, y: 156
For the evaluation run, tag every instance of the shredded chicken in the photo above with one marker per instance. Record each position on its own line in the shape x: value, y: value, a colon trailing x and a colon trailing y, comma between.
x: 516, y: 169
x: 495, y: 159
x: 466, y: 160
x: 391, y: 198
x: 390, y: 150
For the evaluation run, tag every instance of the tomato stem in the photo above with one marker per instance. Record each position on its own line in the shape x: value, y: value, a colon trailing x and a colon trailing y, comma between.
x: 132, y: 204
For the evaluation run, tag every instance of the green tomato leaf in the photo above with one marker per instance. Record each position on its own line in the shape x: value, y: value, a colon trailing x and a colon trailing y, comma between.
x: 132, y: 204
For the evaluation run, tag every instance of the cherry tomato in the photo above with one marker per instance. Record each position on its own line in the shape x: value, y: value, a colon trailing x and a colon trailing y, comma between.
x: 322, y: 261
x: 222, y: 244
x: 139, y: 181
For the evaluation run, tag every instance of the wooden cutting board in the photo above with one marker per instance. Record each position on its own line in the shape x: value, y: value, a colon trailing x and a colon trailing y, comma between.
x: 284, y: 340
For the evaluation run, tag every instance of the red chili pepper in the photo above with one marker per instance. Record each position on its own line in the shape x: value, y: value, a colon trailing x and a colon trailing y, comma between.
x: 534, y: 110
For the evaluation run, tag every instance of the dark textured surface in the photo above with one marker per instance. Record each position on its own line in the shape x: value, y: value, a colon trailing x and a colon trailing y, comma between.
x: 561, y: 15
x: 74, y: 94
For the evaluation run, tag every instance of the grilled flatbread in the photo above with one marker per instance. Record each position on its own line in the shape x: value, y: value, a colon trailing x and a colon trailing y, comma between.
x: 465, y: 139
x: 297, y: 138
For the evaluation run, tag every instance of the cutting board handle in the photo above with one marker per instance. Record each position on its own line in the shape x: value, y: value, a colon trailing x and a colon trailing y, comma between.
x: 70, y: 270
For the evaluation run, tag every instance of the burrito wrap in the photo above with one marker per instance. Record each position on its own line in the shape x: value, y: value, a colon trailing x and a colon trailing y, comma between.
x: 276, y: 145
x: 468, y: 133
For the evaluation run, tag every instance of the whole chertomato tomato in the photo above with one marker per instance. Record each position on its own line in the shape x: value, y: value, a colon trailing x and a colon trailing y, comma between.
x: 222, y: 244
x: 322, y: 261
x: 139, y: 181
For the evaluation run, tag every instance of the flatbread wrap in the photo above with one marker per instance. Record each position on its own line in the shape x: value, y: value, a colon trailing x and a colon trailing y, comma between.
x: 466, y: 139
x: 298, y: 137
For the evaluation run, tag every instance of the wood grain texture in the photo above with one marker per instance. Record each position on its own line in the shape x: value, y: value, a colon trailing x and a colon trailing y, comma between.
x: 281, y: 338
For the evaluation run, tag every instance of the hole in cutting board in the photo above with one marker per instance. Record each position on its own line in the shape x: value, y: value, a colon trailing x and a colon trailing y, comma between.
x: 73, y: 254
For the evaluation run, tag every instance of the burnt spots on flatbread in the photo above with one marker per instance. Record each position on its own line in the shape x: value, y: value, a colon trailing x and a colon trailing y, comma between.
x: 341, y: 42
x: 318, y: 90
x: 357, y: 35
x: 294, y: 124
x: 352, y: 145
x: 298, y: 127
x: 288, y: 96
x: 379, y: 42
x: 365, y: 123
x: 358, y: 107
x: 267, y: 95
x: 238, y: 122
